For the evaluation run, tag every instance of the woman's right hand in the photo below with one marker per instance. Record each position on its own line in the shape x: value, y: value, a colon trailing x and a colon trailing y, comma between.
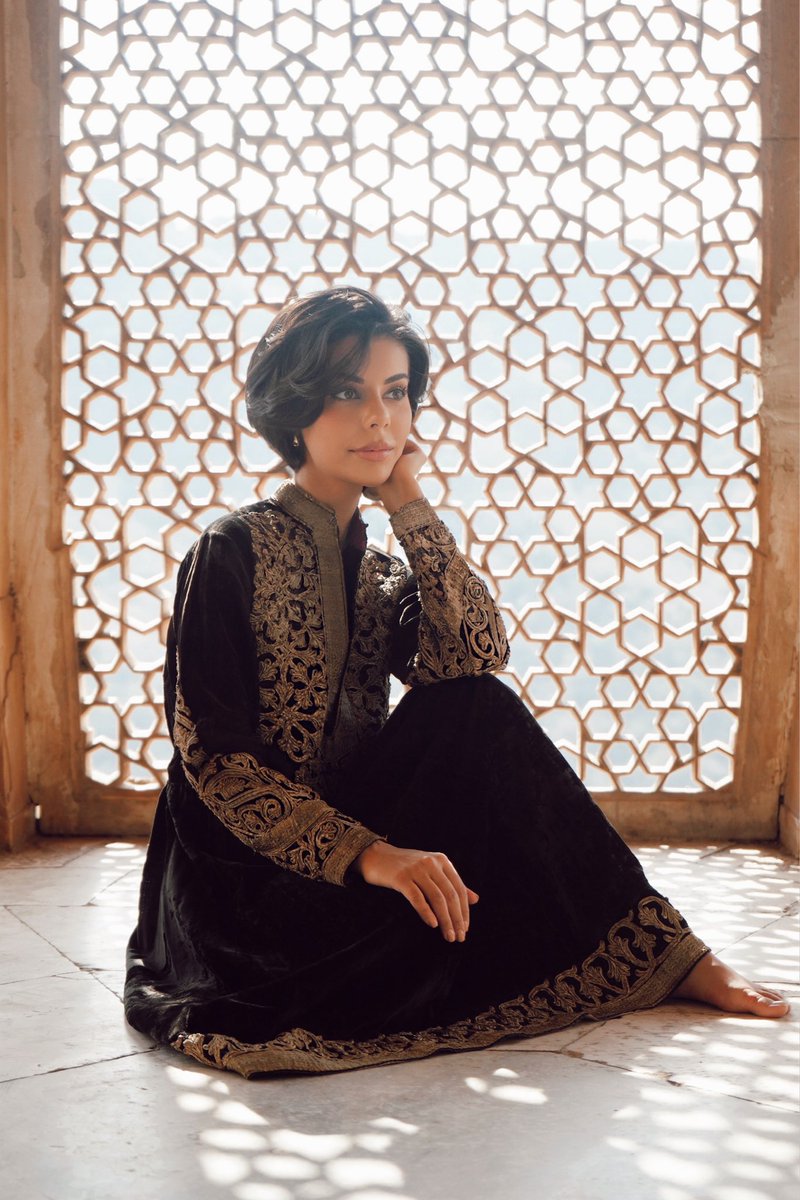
x: 427, y: 879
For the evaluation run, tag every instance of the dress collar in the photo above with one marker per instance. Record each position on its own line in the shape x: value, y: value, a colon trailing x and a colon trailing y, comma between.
x: 318, y: 517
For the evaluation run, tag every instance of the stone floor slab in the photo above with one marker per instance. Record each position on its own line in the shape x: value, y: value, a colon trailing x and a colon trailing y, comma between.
x: 54, y: 852
x: 768, y: 953
x: 92, y: 936
x: 71, y: 884
x: 47, y: 852
x: 471, y: 1126
x: 64, y: 1021
x: 677, y: 1103
x: 728, y: 894
x: 120, y: 893
x: 543, y: 1043
x: 714, y: 1052
x: 115, y: 859
x: 113, y: 980
x: 24, y: 954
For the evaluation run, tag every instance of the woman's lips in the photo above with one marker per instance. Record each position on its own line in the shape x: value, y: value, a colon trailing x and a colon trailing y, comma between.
x: 374, y: 453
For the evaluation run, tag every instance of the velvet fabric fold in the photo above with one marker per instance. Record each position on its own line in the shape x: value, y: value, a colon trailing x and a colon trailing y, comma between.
x: 244, y: 965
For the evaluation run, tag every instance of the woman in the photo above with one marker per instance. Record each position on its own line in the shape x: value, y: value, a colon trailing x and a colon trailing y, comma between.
x: 326, y: 888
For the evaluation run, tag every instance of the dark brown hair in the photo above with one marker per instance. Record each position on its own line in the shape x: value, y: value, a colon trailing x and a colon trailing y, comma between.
x: 290, y: 372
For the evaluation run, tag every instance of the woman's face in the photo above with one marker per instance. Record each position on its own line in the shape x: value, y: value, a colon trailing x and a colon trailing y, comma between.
x: 360, y: 434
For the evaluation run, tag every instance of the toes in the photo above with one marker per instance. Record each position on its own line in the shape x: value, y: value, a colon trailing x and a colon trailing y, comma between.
x: 768, y: 1002
x: 769, y: 994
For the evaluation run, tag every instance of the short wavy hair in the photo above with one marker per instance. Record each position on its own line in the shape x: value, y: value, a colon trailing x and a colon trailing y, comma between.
x: 290, y: 372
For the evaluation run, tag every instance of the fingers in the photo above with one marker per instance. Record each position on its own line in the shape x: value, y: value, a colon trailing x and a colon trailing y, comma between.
x: 460, y: 893
x: 416, y: 898
x: 446, y: 895
x: 429, y: 882
x: 432, y: 906
x: 444, y: 901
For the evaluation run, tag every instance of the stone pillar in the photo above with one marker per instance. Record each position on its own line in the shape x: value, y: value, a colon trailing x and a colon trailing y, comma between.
x: 789, y: 812
x: 769, y: 670
x: 16, y: 810
x: 41, y: 735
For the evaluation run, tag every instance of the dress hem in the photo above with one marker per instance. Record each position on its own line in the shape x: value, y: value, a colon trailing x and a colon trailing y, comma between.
x: 643, y: 959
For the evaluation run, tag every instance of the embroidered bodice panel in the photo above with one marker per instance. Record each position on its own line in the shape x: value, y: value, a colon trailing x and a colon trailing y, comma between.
x: 296, y: 638
x: 298, y: 681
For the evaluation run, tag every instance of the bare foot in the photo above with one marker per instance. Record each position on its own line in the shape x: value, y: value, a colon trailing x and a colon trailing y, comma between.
x: 711, y: 982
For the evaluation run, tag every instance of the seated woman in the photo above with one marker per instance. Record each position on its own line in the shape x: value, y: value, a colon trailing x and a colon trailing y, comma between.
x: 327, y: 886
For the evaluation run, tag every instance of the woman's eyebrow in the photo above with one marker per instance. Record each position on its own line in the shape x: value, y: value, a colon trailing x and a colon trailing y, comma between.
x: 391, y: 379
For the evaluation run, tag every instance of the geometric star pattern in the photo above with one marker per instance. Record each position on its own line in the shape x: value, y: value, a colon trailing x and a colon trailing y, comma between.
x: 565, y: 197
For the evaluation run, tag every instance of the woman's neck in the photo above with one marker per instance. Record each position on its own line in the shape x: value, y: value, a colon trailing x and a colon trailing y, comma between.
x: 341, y: 496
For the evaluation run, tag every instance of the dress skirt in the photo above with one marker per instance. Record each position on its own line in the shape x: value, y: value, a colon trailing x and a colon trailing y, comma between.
x: 244, y: 965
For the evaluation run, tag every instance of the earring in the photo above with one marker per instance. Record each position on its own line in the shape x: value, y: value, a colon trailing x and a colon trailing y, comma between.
x: 296, y: 442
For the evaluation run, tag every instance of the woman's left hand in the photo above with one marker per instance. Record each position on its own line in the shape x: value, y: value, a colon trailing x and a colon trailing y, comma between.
x: 402, y: 485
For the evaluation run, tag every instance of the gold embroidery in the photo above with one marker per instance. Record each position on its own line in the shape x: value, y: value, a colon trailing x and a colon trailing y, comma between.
x: 288, y: 625
x: 641, y: 961
x: 366, y: 681
x: 286, y: 821
x: 299, y: 622
x: 461, y: 631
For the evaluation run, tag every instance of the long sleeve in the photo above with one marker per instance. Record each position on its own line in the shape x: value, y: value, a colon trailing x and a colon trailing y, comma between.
x: 211, y: 682
x: 448, y: 624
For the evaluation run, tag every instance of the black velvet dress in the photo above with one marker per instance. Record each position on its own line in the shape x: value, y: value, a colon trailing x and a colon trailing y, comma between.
x: 260, y: 951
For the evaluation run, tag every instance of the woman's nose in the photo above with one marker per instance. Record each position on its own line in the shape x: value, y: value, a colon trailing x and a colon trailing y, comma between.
x: 376, y: 412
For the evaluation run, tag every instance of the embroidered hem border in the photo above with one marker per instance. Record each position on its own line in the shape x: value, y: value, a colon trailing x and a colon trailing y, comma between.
x: 627, y: 971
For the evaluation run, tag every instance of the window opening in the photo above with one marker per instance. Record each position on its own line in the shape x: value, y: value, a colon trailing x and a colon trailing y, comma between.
x: 567, y: 201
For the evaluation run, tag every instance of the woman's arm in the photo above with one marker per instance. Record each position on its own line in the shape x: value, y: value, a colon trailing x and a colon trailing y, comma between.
x: 212, y: 698
x: 447, y: 625
x: 455, y: 627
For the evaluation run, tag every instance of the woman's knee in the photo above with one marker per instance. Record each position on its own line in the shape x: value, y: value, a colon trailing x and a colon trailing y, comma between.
x: 462, y: 699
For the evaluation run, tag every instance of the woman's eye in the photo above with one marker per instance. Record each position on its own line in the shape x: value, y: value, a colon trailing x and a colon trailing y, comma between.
x: 348, y: 393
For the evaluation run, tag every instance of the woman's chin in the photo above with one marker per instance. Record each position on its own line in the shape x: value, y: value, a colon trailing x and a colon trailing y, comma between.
x: 370, y: 489
x: 375, y: 475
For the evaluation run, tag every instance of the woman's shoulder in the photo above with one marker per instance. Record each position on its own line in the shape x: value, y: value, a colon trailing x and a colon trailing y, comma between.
x: 230, y: 536
x: 237, y: 525
x: 234, y: 547
x: 264, y: 536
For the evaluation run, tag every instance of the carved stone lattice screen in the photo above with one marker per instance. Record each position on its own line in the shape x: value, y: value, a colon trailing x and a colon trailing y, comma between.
x: 565, y: 197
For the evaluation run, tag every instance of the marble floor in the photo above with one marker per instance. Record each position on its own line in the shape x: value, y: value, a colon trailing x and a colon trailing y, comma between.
x: 677, y: 1103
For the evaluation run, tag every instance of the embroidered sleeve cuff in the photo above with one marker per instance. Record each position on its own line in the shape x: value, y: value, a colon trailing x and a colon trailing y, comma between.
x: 412, y: 516
x: 346, y: 851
